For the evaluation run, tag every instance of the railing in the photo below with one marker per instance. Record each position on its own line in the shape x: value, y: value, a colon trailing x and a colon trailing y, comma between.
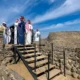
x: 35, y: 57
x: 35, y: 60
x: 64, y: 63
x: 48, y: 66
x: 52, y: 54
x: 39, y: 43
x: 25, y: 62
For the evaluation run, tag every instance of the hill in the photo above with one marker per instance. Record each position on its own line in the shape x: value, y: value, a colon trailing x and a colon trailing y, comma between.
x: 65, y: 39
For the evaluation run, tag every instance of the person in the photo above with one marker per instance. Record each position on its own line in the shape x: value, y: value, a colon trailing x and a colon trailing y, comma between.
x: 15, y: 31
x: 8, y: 35
x: 37, y: 35
x: 28, y: 29
x: 12, y: 34
x: 21, y: 31
x: 4, y: 26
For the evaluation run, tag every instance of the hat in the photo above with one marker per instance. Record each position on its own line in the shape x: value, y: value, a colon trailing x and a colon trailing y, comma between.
x: 4, y: 22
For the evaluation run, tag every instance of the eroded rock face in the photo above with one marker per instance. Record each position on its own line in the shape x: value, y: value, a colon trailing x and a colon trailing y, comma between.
x: 6, y: 74
x: 68, y: 42
x: 6, y: 56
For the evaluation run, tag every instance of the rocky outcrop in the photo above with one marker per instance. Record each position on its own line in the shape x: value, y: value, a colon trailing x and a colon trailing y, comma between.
x: 68, y: 42
x: 6, y: 74
x: 6, y: 57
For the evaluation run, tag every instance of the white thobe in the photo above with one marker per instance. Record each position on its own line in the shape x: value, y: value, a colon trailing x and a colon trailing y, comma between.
x: 28, y: 35
x: 8, y: 36
x: 15, y: 33
x: 37, y: 36
x: 4, y: 35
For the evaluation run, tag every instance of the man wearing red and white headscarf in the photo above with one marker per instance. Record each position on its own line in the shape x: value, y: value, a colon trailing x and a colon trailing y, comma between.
x: 28, y: 29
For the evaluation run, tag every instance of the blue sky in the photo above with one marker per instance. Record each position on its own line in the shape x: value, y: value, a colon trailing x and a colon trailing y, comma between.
x: 45, y: 15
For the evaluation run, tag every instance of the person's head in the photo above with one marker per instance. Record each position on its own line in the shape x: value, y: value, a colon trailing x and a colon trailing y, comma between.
x: 4, y: 24
x: 22, y: 18
x: 37, y: 30
x: 17, y: 20
x: 29, y: 22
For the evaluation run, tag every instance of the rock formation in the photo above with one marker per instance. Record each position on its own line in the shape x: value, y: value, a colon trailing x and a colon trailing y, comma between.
x: 6, y: 57
x: 68, y: 42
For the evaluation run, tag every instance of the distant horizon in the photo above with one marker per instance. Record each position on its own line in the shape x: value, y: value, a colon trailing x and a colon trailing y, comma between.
x: 47, y: 16
x: 57, y: 32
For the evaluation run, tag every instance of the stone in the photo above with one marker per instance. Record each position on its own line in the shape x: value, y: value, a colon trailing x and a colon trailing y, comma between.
x: 78, y: 71
x: 6, y: 74
x: 74, y: 75
x: 68, y: 67
x: 78, y: 76
x: 68, y: 72
x: 74, y: 69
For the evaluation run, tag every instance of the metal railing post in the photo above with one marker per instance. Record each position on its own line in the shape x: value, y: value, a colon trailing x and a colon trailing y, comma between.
x: 52, y: 52
x: 15, y: 56
x: 48, y: 65
x: 64, y: 63
x: 60, y: 65
x: 35, y: 57
x: 39, y: 43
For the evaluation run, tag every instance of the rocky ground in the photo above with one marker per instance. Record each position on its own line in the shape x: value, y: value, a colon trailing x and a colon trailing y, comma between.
x: 6, y: 57
x: 62, y: 41
x: 68, y: 42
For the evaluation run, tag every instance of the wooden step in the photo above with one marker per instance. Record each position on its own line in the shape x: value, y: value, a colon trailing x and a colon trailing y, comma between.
x: 53, y: 74
x: 25, y: 48
x: 38, y: 64
x: 44, y: 69
x: 32, y: 59
x: 31, y: 55
x: 27, y: 51
x: 20, y: 45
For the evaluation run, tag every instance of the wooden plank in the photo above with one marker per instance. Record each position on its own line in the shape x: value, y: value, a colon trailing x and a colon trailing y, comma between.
x: 30, y: 55
x: 37, y: 58
x: 39, y: 63
x: 43, y: 69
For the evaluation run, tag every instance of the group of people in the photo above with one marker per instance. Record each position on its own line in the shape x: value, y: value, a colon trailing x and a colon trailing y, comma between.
x: 23, y: 32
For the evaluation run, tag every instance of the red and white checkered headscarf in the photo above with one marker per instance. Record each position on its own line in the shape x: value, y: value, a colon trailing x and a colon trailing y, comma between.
x: 27, y: 26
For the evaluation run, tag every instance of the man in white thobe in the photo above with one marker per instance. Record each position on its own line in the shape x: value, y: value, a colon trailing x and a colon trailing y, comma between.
x: 37, y: 35
x: 4, y: 28
x: 8, y: 36
x: 15, y: 31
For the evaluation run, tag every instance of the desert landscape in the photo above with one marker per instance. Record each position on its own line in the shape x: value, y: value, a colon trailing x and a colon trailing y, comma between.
x: 62, y: 41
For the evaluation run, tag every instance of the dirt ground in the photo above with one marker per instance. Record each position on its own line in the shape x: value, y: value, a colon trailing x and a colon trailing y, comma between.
x: 21, y: 70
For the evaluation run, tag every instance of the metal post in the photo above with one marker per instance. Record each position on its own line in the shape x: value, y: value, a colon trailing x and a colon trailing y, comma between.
x: 52, y: 51
x: 15, y: 56
x: 35, y: 57
x: 60, y: 65
x: 64, y: 63
x: 39, y: 43
x: 48, y: 65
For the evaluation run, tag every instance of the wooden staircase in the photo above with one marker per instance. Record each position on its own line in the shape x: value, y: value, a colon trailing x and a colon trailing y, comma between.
x: 38, y: 64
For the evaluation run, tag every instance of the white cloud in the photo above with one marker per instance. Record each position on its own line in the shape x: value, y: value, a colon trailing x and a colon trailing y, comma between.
x: 69, y: 6
x: 11, y: 11
x: 51, y: 1
x: 59, y: 25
